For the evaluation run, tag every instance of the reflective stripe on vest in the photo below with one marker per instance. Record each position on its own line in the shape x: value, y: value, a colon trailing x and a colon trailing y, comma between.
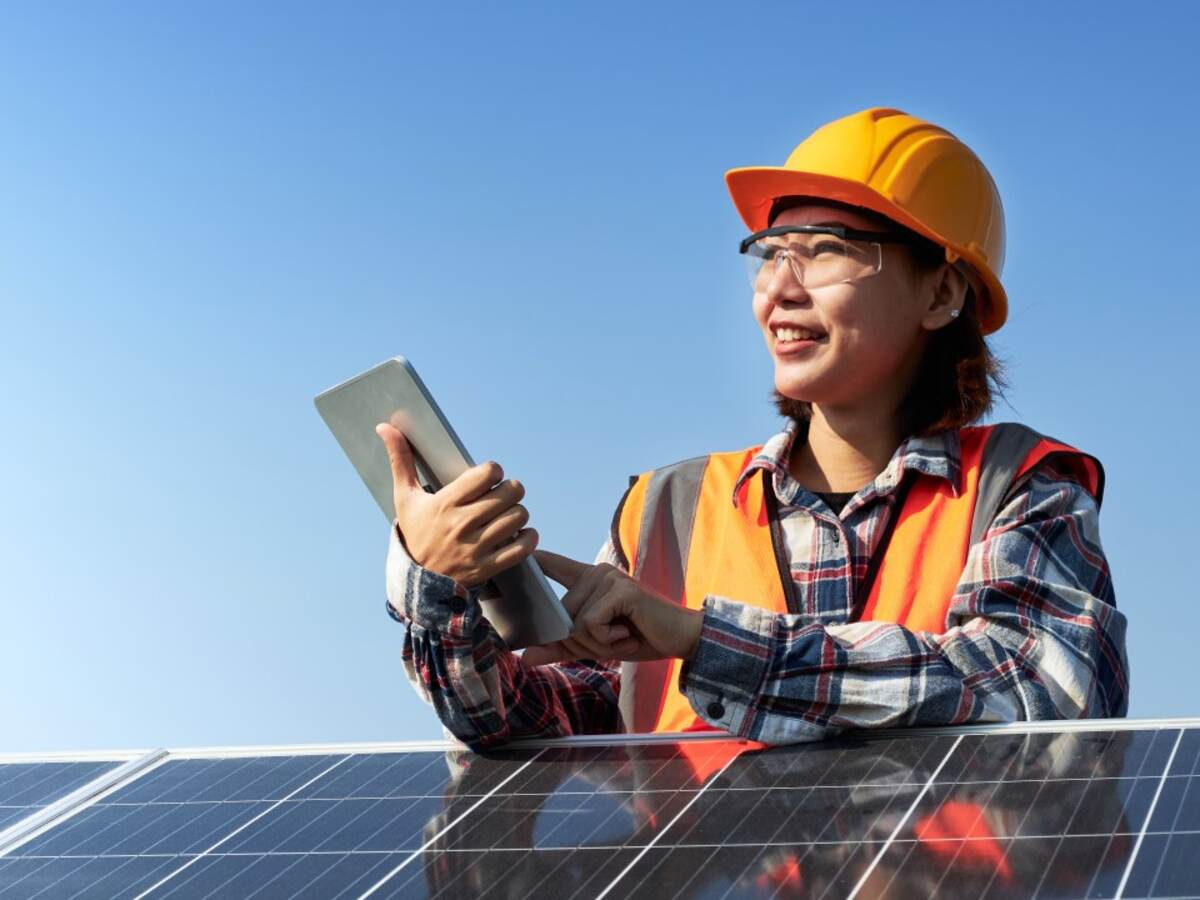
x: 683, y: 537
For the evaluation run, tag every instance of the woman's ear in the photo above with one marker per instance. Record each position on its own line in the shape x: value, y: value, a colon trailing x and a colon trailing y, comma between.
x: 949, y: 292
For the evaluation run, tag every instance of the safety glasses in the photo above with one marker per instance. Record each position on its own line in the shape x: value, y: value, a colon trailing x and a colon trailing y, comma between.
x: 817, y: 255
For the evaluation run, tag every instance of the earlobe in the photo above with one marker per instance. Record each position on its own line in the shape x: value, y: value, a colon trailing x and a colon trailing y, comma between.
x: 949, y: 293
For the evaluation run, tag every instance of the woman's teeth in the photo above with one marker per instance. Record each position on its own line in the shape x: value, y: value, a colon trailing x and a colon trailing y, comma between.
x: 795, y: 334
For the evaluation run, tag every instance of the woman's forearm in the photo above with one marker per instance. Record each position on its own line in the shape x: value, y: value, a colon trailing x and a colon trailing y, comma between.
x: 481, y: 691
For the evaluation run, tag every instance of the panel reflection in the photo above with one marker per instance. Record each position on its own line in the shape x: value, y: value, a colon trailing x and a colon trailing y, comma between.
x: 566, y: 826
x: 1048, y: 814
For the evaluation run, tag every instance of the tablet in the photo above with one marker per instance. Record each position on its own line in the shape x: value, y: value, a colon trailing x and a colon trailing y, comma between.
x: 519, y: 602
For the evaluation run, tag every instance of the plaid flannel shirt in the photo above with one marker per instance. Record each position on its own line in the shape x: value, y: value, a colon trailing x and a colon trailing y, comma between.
x: 1033, y: 629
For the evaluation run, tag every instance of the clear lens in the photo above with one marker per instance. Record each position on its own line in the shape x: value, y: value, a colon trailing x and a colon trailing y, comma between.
x: 815, y: 259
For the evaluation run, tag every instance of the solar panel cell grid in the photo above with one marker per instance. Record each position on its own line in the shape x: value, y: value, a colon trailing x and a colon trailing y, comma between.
x: 552, y: 874
x: 25, y: 787
x: 98, y: 877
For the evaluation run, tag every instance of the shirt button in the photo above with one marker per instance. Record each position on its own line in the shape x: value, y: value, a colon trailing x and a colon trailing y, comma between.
x: 458, y: 606
x: 716, y: 710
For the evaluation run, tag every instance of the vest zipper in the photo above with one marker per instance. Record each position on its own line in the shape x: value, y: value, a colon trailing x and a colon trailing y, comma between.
x: 785, y: 575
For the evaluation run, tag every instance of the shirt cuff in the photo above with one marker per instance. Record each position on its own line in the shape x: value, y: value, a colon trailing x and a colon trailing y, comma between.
x: 426, y: 598
x: 723, y: 679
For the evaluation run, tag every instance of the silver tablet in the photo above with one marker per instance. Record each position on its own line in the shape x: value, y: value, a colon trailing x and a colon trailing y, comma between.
x: 519, y: 602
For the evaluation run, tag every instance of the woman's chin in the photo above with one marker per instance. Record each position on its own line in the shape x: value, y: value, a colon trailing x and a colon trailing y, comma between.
x: 802, y: 392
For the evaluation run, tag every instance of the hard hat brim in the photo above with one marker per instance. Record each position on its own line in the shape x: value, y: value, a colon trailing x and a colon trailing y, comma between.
x: 754, y: 189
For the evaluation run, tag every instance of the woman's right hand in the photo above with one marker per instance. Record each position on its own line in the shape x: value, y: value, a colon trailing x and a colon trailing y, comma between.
x: 470, y: 530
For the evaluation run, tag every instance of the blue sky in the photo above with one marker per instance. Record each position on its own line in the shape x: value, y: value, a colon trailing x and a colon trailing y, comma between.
x: 210, y: 213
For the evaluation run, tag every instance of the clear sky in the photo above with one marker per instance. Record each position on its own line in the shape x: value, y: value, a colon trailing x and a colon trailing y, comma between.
x: 211, y: 212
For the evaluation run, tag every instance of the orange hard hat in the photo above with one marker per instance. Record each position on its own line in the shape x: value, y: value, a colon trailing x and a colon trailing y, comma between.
x: 909, y: 170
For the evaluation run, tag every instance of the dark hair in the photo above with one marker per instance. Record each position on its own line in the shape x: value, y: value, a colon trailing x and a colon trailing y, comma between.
x: 958, y: 375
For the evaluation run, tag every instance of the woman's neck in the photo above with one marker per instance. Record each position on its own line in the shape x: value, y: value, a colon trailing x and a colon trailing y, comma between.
x: 841, y: 453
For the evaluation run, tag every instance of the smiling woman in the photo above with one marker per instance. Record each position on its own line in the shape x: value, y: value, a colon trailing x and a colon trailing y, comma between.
x: 955, y: 370
x: 883, y: 560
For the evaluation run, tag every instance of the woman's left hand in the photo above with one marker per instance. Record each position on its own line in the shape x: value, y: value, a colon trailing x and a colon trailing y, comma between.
x: 615, y: 617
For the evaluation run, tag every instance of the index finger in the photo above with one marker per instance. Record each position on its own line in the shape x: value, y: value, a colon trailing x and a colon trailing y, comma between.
x: 579, y: 596
x: 563, y: 569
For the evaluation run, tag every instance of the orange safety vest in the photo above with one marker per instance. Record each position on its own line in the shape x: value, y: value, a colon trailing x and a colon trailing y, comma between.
x: 681, y: 535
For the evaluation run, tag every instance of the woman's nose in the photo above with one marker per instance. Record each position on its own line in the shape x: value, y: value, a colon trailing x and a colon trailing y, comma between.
x: 783, y: 284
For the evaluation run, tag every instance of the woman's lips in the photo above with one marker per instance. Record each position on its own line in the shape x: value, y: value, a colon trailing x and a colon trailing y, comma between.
x: 795, y: 348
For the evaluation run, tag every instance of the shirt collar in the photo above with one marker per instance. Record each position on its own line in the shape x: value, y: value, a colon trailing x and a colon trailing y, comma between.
x: 938, y: 455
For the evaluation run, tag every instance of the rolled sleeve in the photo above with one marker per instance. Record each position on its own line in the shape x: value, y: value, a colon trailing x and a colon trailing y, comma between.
x: 725, y: 675
x: 483, y: 693
x: 428, y: 599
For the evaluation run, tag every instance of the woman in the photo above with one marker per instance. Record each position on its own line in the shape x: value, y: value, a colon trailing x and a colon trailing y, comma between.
x: 882, y: 561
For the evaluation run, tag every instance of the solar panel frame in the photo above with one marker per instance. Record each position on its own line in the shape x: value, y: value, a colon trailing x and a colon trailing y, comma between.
x: 1150, y: 861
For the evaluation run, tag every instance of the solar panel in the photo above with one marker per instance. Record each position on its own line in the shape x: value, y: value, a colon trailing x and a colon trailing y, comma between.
x: 1094, y: 809
x: 28, y: 786
x: 186, y: 822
